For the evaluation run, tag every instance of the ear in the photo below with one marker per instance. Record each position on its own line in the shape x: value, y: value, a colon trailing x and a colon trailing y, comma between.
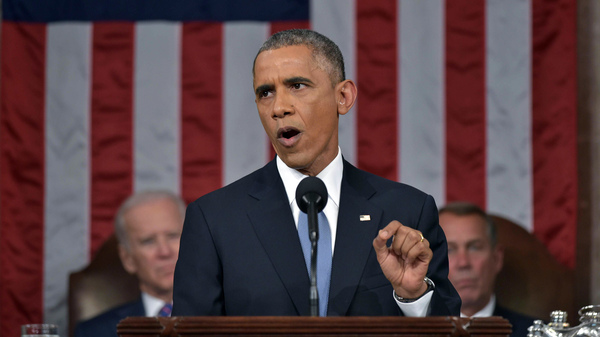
x: 127, y: 260
x: 346, y: 93
x: 498, y: 257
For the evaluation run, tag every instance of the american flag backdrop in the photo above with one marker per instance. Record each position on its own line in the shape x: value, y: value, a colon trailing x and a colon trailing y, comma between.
x: 464, y: 99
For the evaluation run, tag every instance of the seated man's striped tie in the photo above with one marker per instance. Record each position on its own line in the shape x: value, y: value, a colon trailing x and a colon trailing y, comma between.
x: 165, y: 311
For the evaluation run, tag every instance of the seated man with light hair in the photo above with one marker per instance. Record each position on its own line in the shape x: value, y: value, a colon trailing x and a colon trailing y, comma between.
x: 148, y: 227
x: 475, y: 259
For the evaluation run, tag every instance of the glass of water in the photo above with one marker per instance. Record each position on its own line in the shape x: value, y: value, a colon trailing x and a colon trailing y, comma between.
x: 39, y: 330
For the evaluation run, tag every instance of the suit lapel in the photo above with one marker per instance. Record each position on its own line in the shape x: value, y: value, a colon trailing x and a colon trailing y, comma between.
x: 273, y: 223
x: 135, y: 308
x: 354, y: 238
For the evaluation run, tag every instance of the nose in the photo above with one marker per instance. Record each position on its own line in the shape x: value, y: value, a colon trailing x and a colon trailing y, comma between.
x: 282, y: 105
x: 165, y: 248
x: 462, y: 259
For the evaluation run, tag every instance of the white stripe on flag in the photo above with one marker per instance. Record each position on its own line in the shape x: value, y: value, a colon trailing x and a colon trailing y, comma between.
x: 336, y: 19
x: 421, y: 95
x: 157, y: 106
x: 509, y: 165
x: 66, y: 218
x: 246, y: 144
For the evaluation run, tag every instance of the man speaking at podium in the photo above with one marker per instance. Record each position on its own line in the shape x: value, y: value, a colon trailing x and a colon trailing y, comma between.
x: 241, y: 252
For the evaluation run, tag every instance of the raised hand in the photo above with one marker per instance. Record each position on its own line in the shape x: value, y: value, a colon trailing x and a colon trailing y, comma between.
x: 405, y: 262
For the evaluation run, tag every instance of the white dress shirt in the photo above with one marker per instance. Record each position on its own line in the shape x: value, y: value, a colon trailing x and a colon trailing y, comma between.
x: 152, y: 305
x: 332, y: 177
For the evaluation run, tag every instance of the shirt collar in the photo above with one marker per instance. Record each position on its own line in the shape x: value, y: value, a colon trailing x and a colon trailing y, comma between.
x: 152, y: 305
x: 331, y: 176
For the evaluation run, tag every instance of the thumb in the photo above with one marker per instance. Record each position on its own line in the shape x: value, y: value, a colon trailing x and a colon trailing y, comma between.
x: 380, y: 242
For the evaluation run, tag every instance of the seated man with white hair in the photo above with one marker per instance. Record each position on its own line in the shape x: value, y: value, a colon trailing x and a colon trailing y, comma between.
x: 148, y: 227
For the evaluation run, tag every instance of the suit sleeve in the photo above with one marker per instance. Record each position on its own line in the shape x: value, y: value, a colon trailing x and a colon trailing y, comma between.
x: 198, y: 287
x: 445, y: 300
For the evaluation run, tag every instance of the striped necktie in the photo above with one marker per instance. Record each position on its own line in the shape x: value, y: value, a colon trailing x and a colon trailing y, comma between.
x: 165, y: 311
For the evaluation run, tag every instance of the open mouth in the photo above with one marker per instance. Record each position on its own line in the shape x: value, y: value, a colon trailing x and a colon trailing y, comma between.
x: 288, y: 135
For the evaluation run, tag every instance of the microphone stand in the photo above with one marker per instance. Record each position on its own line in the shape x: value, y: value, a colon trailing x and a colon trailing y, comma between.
x: 311, y: 196
x: 313, y: 234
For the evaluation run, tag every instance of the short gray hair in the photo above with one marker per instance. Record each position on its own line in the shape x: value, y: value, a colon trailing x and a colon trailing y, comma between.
x: 139, y: 199
x: 463, y: 208
x: 324, y: 51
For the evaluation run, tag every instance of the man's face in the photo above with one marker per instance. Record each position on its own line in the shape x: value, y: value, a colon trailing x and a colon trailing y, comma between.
x: 298, y: 107
x: 153, y: 231
x: 473, y: 262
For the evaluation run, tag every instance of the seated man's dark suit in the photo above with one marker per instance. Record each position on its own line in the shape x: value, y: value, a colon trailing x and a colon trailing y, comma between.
x: 105, y: 324
x: 519, y: 322
x: 240, y: 254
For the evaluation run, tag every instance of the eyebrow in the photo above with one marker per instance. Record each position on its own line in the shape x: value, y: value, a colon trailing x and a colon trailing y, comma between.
x: 264, y: 87
x: 297, y: 79
x: 287, y: 81
x: 469, y: 242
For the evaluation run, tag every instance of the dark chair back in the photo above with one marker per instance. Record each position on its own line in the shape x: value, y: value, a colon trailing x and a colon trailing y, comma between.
x: 532, y: 282
x: 103, y: 284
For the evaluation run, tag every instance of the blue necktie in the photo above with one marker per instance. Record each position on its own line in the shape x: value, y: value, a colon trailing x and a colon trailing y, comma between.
x: 165, y: 311
x: 323, y: 256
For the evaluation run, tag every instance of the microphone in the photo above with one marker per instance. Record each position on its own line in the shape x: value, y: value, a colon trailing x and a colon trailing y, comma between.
x: 311, y: 197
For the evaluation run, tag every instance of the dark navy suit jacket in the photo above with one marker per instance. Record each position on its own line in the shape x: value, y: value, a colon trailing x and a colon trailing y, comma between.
x: 519, y: 322
x: 240, y: 254
x: 105, y: 324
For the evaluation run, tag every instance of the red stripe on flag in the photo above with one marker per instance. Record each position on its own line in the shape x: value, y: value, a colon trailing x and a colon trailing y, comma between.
x: 554, y: 122
x: 377, y: 115
x: 201, y: 109
x: 465, y: 101
x: 112, y: 124
x: 278, y: 26
x: 22, y: 175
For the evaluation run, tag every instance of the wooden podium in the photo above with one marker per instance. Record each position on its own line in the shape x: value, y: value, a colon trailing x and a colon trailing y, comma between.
x: 312, y: 326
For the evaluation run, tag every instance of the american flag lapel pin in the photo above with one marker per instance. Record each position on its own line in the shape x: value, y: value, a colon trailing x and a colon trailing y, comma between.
x: 365, y: 217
